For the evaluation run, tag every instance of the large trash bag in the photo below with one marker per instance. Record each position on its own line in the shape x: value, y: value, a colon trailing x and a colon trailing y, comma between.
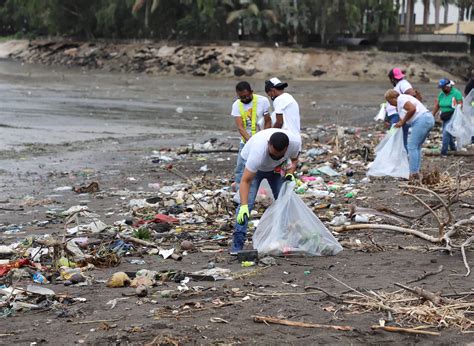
x: 460, y: 127
x: 289, y: 227
x: 391, y: 157
x: 468, y: 109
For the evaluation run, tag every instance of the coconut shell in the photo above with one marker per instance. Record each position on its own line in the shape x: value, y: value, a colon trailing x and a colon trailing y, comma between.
x: 119, y: 279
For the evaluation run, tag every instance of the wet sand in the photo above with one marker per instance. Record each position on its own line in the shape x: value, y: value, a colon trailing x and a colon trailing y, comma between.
x: 67, y: 127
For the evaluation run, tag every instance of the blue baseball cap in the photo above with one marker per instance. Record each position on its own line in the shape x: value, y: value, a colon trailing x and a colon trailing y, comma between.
x: 443, y: 83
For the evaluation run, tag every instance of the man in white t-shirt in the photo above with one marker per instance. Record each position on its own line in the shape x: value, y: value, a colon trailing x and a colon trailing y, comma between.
x: 286, y: 108
x: 251, y: 114
x: 265, y: 151
x: 401, y: 86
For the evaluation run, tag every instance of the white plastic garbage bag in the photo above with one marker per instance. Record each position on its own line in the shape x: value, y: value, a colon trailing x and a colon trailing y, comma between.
x: 391, y: 157
x: 460, y: 127
x: 468, y: 109
x: 289, y: 227
x: 382, y: 111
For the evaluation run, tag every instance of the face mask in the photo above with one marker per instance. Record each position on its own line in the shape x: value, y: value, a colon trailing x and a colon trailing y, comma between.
x: 274, y: 157
x: 246, y: 99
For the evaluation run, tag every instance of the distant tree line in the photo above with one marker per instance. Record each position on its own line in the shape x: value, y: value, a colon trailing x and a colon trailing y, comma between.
x: 263, y: 20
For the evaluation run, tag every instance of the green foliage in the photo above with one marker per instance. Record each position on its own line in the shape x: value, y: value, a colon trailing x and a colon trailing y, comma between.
x: 197, y: 19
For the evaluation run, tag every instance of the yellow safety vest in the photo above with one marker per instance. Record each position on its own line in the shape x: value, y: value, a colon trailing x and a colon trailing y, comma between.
x: 243, y: 114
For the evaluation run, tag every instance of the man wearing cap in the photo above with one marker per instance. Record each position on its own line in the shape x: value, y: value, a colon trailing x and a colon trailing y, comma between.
x: 446, y: 103
x: 287, y: 110
x: 251, y: 114
x: 264, y: 151
x: 402, y: 86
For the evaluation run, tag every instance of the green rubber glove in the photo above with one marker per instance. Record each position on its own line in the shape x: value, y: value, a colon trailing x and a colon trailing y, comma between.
x: 243, y: 212
x: 289, y: 177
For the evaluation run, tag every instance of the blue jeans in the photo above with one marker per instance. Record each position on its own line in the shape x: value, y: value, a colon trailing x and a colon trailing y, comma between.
x: 419, y: 131
x: 239, y: 168
x: 275, y: 181
x: 395, y: 118
x: 447, y: 140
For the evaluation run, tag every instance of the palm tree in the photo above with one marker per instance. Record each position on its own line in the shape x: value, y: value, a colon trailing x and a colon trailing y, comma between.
x: 437, y: 5
x: 426, y: 14
x: 465, y: 7
x: 446, y: 10
x: 150, y: 7
x: 251, y: 15
x: 409, y: 22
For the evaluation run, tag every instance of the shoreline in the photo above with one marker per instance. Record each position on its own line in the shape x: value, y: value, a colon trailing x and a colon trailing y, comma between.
x: 159, y: 58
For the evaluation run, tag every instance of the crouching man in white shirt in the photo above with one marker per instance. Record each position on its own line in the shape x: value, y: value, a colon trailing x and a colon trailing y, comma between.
x: 265, y: 151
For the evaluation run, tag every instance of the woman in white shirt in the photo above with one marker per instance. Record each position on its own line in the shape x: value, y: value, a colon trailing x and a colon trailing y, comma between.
x: 402, y: 86
x: 412, y: 112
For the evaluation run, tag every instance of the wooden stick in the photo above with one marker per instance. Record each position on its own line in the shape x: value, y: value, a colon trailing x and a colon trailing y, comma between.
x: 463, y: 251
x: 283, y: 294
x: 11, y: 209
x: 452, y: 153
x: 445, y: 205
x: 405, y: 330
x: 394, y: 212
x: 174, y: 256
x: 330, y: 295
x: 424, y: 276
x: 194, y: 151
x: 453, y: 230
x: 432, y: 297
x: 388, y: 227
x: 423, y: 203
x: 458, y: 294
x: 266, y: 319
x: 349, y: 287
x: 377, y: 305
x: 97, y: 321
x: 359, y: 210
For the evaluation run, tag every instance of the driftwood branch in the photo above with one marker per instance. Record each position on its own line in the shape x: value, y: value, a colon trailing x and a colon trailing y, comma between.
x: 443, y: 202
x: 266, y: 319
x: 441, y: 224
x: 419, y: 234
x: 330, y: 295
x: 453, y: 230
x: 97, y: 321
x: 141, y: 242
x: 435, y: 298
x: 424, y: 276
x: 394, y: 212
x: 211, y: 151
x: 463, y: 251
x: 346, y: 285
x: 354, y: 210
x: 405, y: 330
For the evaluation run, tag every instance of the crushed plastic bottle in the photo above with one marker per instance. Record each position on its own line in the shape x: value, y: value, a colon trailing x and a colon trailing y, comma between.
x: 246, y: 264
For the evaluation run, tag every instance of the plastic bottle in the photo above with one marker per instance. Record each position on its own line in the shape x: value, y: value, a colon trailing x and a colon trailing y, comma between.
x: 319, y: 193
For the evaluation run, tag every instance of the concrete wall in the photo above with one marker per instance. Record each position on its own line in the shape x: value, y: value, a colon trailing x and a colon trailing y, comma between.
x: 425, y: 43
